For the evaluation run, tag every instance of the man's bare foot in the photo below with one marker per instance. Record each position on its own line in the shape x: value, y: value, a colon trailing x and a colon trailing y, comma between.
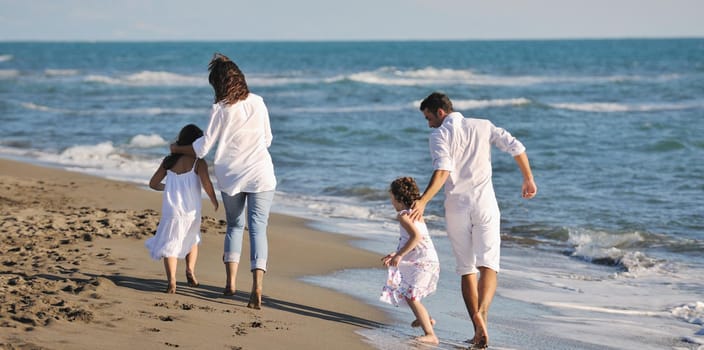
x: 479, y: 345
x: 171, y: 289
x: 481, y: 336
x: 255, y: 300
x: 428, y: 339
x: 191, y: 278
x: 416, y: 323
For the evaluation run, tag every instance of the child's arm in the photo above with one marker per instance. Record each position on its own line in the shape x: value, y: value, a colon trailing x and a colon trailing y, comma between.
x: 202, y: 171
x: 187, y: 149
x: 394, y: 258
x: 159, y: 174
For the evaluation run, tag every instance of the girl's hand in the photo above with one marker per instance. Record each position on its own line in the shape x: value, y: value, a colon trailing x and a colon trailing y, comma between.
x: 392, y: 259
x: 387, y: 259
x: 395, y: 260
x: 215, y: 204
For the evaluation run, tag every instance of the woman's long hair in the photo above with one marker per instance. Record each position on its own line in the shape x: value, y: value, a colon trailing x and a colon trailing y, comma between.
x: 188, y: 134
x: 227, y: 80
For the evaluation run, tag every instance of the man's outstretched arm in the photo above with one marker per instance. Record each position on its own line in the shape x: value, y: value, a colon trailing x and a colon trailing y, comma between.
x: 528, y: 189
x: 436, y: 182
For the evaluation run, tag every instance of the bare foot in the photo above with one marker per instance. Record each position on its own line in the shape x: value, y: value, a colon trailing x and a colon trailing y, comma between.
x: 255, y: 300
x: 481, y: 336
x: 479, y: 346
x: 171, y: 289
x: 416, y: 323
x: 428, y: 339
x: 191, y: 278
x: 228, y: 291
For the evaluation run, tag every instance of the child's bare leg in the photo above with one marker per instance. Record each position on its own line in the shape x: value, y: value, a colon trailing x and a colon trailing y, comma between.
x: 191, y: 258
x: 416, y: 323
x: 170, y: 268
x: 425, y: 323
x: 231, y: 276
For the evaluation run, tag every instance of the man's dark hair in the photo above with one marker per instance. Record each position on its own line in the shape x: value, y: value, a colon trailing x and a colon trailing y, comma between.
x: 435, y: 101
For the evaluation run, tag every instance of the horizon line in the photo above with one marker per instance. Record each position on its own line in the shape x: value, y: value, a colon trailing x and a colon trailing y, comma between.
x: 615, y: 38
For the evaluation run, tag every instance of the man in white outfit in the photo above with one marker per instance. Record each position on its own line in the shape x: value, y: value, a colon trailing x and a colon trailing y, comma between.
x: 461, y: 151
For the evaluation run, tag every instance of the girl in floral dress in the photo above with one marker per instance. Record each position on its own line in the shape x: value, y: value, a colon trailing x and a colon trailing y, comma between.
x: 414, y: 267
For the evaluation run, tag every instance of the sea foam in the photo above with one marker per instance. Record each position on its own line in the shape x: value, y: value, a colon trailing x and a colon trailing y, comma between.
x: 150, y: 78
x: 104, y: 160
x: 9, y: 73
x: 60, y: 72
x: 446, y: 76
x: 146, y: 141
x: 609, y: 107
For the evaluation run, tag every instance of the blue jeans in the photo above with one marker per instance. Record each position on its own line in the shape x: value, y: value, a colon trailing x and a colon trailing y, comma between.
x: 258, y: 206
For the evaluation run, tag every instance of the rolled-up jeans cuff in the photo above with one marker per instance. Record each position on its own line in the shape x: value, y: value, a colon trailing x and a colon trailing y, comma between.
x: 231, y: 257
x: 259, y: 264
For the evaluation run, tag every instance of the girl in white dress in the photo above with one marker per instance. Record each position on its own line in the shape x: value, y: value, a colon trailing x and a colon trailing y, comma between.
x: 414, y: 267
x: 178, y: 233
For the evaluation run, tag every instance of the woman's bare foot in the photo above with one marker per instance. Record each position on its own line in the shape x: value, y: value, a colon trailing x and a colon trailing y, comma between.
x: 428, y: 339
x: 255, y: 300
x: 170, y: 289
x: 191, y: 278
x: 416, y: 323
x: 229, y: 291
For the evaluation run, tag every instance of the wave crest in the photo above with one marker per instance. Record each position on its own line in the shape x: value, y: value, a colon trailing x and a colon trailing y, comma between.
x: 477, y: 104
x: 9, y: 73
x: 146, y: 141
x: 60, y: 72
x: 447, y: 76
x: 610, y: 107
x: 614, y: 249
x: 692, y: 312
x: 150, y: 78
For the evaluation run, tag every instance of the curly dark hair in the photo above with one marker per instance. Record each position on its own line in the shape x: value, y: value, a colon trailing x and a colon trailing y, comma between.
x: 405, y: 190
x: 227, y: 80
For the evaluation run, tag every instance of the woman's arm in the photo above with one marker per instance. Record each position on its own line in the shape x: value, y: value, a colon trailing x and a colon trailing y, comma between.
x: 211, y: 134
x: 187, y: 149
x: 202, y: 171
x: 268, y: 137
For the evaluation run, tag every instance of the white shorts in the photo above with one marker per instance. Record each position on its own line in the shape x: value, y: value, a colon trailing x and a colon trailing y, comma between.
x: 473, y: 230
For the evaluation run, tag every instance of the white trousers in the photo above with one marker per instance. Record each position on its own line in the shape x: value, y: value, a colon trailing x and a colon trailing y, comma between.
x: 473, y: 230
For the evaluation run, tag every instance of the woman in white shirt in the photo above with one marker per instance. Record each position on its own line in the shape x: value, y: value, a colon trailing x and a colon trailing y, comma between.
x: 239, y: 123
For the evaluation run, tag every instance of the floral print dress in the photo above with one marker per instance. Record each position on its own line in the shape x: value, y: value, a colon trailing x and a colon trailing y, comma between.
x: 417, y: 274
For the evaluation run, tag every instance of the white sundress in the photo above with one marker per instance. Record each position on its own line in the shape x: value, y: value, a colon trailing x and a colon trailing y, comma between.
x: 179, y: 227
x: 417, y: 273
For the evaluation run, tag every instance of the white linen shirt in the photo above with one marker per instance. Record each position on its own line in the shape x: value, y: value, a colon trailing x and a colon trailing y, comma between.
x: 242, y: 160
x: 462, y: 146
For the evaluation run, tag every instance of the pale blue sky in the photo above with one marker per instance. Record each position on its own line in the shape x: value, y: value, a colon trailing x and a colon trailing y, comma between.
x: 136, y: 20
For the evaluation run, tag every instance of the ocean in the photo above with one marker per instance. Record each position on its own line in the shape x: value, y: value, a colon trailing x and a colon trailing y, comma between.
x: 607, y: 256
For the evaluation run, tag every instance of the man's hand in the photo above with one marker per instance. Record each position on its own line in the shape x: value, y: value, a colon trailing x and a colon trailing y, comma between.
x: 529, y: 189
x: 418, y: 209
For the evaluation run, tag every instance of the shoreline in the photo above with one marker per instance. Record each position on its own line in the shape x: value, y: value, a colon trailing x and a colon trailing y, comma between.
x: 77, y: 275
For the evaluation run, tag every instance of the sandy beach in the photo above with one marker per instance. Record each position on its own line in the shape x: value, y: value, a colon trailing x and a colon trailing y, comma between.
x: 75, y: 275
